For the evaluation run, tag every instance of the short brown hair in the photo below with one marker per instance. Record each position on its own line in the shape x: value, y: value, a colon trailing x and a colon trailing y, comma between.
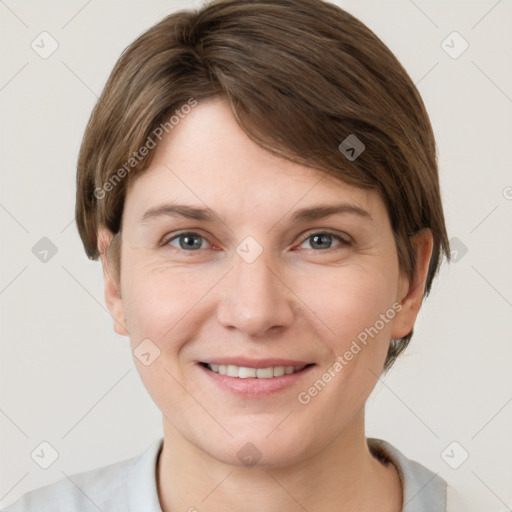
x: 300, y: 76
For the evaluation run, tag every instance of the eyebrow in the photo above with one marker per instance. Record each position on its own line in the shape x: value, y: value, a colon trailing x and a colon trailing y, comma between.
x: 304, y: 214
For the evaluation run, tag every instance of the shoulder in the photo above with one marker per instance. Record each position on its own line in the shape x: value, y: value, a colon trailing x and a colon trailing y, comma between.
x: 90, y: 490
x: 81, y: 491
x: 110, y: 488
x: 456, y: 502
x: 424, y: 490
x: 464, y: 496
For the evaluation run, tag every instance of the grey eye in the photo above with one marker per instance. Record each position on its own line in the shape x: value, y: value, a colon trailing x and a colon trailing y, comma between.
x: 323, y: 240
x: 188, y: 241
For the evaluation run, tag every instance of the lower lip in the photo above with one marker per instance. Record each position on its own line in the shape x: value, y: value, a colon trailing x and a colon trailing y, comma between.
x: 254, y: 387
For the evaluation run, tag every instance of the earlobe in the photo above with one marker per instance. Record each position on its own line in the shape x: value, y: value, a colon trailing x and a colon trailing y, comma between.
x: 411, y: 290
x: 112, y: 291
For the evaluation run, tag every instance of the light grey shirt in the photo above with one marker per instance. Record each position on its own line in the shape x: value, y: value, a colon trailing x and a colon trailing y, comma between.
x: 130, y: 486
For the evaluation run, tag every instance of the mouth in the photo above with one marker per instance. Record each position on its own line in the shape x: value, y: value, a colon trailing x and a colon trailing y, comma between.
x: 248, y: 372
x: 255, y: 378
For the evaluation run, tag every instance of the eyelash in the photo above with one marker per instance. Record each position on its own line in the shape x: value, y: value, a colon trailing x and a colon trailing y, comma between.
x: 339, y: 238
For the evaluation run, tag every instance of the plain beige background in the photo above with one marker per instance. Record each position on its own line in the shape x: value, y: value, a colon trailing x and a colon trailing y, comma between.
x: 67, y: 379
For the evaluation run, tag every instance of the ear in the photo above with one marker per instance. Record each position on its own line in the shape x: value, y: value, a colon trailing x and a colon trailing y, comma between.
x: 411, y: 291
x: 112, y: 284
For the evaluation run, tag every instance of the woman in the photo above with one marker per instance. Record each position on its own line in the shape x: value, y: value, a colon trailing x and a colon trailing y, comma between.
x: 259, y: 180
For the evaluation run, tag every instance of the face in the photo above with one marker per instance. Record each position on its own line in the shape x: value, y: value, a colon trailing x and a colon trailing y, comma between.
x: 234, y: 260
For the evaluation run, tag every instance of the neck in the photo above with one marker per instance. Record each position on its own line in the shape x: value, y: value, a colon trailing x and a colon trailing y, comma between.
x: 342, y: 477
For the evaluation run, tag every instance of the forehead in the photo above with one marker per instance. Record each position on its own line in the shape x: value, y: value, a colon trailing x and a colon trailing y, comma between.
x: 208, y: 160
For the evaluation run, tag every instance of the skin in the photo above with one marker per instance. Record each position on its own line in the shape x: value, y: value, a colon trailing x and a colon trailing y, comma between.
x: 298, y: 299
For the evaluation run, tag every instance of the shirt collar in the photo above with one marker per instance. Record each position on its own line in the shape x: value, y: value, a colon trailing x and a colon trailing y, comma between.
x: 423, y: 490
x: 141, y: 484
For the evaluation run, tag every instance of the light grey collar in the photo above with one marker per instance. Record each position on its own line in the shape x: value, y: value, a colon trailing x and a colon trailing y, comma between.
x: 423, y: 490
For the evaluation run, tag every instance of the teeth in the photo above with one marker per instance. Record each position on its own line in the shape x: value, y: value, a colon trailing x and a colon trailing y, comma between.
x: 278, y: 371
x: 265, y: 373
x: 232, y: 371
x: 246, y: 373
x: 242, y: 372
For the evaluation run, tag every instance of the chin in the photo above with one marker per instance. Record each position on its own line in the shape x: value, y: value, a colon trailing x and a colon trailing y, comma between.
x: 252, y: 448
x: 257, y: 455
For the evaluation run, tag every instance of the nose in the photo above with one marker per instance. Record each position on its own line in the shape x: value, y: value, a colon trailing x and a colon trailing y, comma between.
x: 256, y: 300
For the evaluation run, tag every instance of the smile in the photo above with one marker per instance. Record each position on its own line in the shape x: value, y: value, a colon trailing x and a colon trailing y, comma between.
x: 255, y: 378
x: 244, y: 372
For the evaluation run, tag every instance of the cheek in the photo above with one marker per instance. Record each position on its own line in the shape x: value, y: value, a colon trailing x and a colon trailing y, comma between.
x: 163, y: 305
x: 158, y: 300
x: 355, y: 305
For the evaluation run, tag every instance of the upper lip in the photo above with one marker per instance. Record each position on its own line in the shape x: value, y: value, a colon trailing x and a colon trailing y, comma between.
x: 247, y: 362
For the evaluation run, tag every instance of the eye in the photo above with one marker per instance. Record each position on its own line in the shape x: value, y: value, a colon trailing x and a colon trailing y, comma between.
x: 187, y: 241
x: 324, y: 240
x: 190, y: 241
